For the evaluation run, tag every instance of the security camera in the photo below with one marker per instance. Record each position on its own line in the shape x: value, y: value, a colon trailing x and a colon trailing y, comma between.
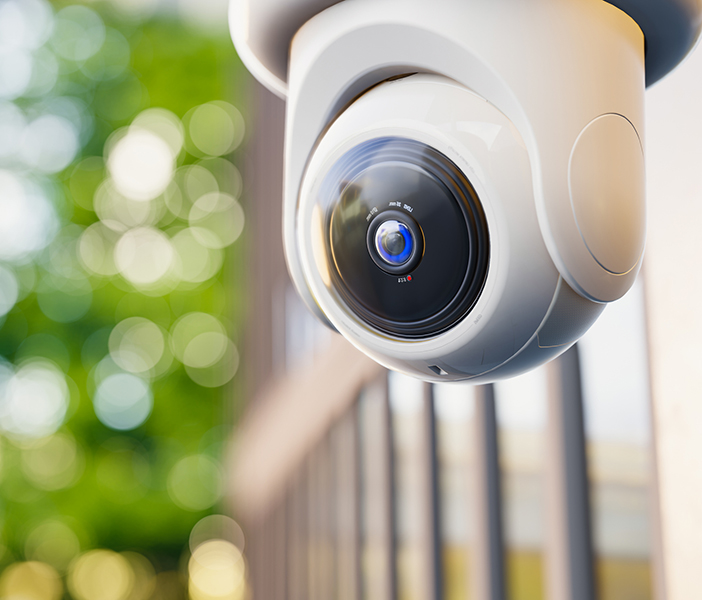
x: 464, y: 179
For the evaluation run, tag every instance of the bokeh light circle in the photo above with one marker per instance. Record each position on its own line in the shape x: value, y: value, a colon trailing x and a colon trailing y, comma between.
x: 217, y: 220
x: 111, y: 61
x: 30, y: 581
x: 196, y: 263
x: 60, y: 260
x: 76, y: 112
x: 101, y: 575
x: 217, y: 571
x: 219, y: 373
x: 118, y: 212
x: 196, y: 182
x: 144, y: 576
x: 191, y: 325
x: 53, y: 463
x: 45, y: 73
x: 52, y: 542
x: 29, y: 221
x: 200, y: 342
x: 123, y: 401
x: 25, y: 23
x: 141, y: 164
x: 9, y: 290
x: 205, y: 349
x: 33, y: 401
x: 79, y: 33
x: 49, y: 143
x: 137, y: 345
x: 164, y: 124
x: 196, y: 482
x: 15, y: 73
x: 214, y: 527
x: 12, y: 124
x: 215, y: 128
x: 227, y: 176
x: 96, y: 249
x: 144, y: 256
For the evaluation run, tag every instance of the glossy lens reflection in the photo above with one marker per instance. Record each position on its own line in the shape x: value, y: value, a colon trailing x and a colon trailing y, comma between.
x: 406, y: 237
x: 394, y: 242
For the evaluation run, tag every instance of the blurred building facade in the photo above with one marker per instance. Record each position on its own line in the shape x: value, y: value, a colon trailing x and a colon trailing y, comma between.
x: 358, y: 483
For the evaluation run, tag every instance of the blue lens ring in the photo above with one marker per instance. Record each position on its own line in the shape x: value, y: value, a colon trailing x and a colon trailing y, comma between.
x: 394, y: 242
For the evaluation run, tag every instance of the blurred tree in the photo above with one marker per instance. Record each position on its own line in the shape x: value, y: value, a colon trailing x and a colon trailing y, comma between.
x: 120, y: 287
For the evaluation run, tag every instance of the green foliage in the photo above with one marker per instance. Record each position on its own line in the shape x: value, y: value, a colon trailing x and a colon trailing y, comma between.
x: 119, y: 496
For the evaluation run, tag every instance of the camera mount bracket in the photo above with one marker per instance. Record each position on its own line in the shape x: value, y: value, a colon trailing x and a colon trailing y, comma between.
x: 263, y: 31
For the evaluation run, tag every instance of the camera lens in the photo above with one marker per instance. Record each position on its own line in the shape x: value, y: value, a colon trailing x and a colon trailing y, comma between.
x: 394, y: 242
x: 406, y: 237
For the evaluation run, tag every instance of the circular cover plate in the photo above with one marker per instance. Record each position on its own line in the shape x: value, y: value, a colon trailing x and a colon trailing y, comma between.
x: 607, y: 191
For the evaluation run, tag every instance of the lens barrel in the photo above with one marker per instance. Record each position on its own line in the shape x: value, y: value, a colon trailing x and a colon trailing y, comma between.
x: 407, y: 239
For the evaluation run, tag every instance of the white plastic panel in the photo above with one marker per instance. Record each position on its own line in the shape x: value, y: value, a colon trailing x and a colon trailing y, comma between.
x: 607, y: 190
x: 263, y: 31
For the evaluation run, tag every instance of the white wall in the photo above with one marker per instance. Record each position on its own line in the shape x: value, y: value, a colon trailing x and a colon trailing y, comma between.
x: 673, y: 271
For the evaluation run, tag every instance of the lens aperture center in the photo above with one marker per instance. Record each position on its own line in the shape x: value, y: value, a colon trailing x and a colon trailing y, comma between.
x: 394, y: 242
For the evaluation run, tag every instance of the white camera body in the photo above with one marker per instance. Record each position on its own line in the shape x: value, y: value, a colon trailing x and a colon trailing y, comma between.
x: 464, y: 180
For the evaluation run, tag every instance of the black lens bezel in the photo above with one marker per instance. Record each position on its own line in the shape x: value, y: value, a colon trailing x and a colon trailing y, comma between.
x: 446, y: 174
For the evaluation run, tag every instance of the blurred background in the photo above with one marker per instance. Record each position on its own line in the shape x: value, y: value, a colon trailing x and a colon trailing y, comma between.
x: 121, y: 225
x: 159, y: 374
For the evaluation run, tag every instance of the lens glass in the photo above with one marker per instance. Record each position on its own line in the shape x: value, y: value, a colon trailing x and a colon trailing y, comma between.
x: 404, y: 240
x: 394, y: 242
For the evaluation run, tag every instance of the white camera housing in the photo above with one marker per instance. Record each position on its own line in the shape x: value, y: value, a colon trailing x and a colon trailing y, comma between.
x: 529, y: 115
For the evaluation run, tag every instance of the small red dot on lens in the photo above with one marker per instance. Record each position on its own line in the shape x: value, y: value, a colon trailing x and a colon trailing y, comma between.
x: 409, y: 278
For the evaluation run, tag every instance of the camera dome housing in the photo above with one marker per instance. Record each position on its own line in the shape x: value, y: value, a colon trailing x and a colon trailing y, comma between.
x: 426, y: 149
x: 464, y: 181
